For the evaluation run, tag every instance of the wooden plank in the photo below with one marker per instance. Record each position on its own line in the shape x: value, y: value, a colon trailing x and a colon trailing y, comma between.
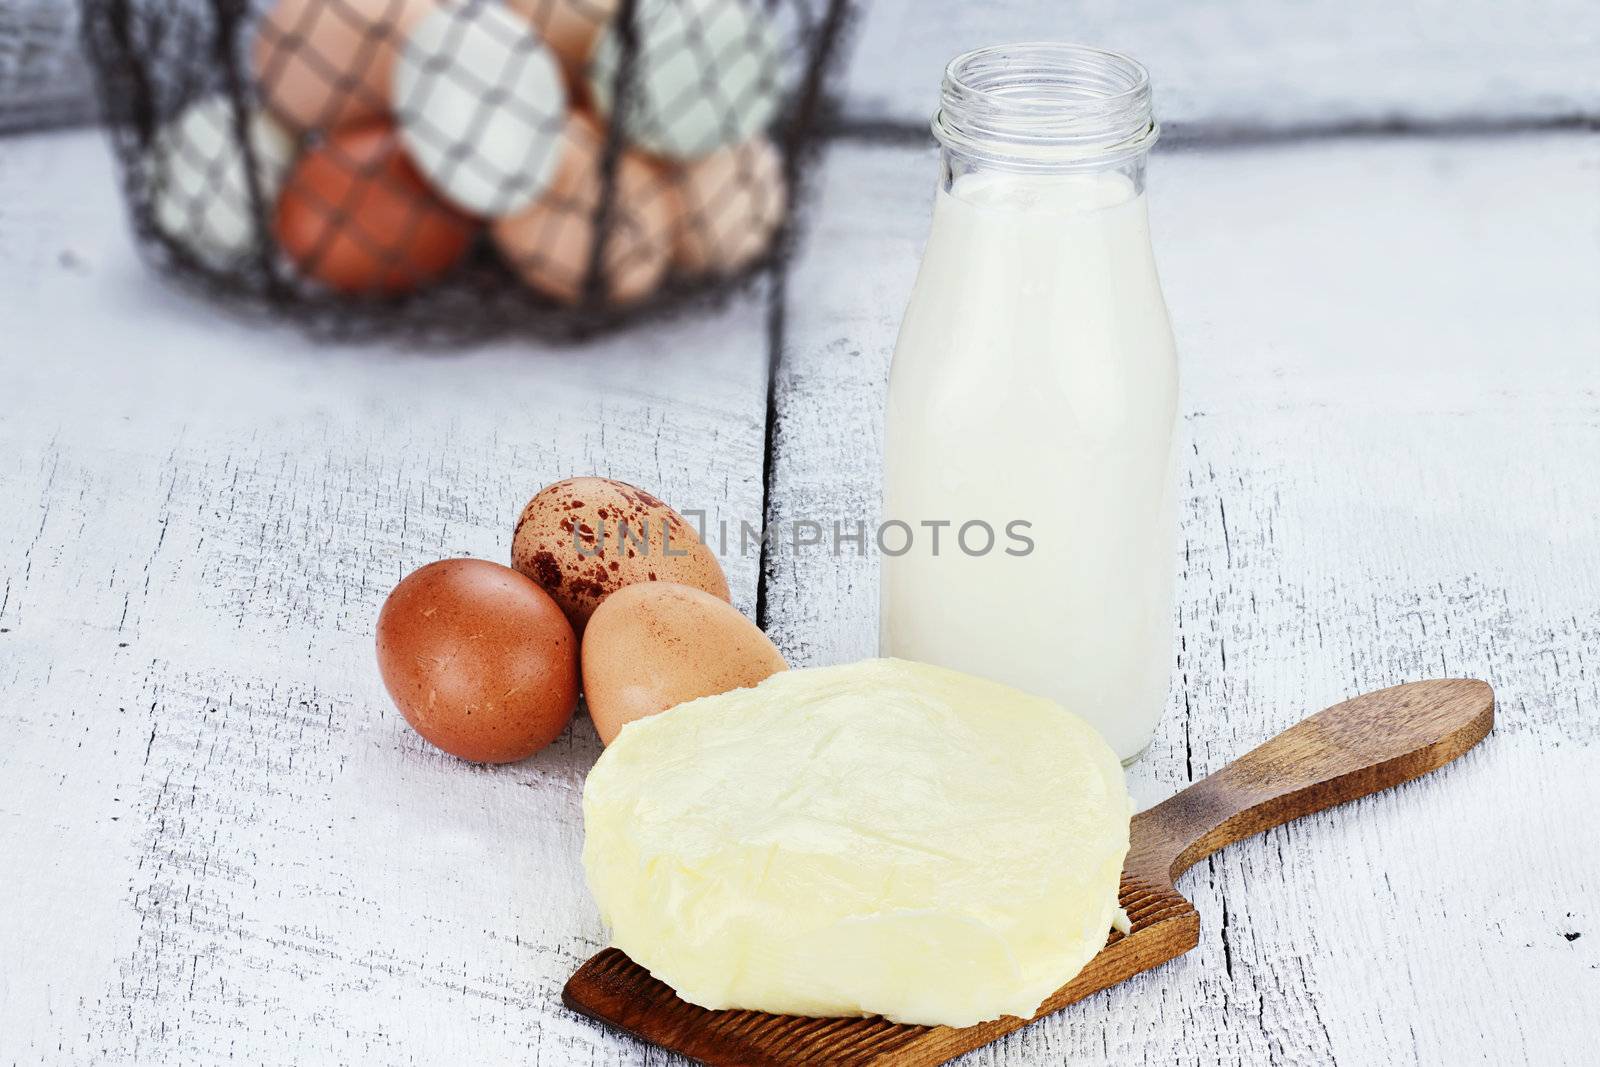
x: 1392, y: 411
x: 1247, y: 65
x: 43, y: 78
x: 228, y: 846
x: 1253, y: 64
x: 218, y: 839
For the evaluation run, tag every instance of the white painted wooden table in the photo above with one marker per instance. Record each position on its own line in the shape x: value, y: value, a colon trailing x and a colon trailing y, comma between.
x: 218, y: 843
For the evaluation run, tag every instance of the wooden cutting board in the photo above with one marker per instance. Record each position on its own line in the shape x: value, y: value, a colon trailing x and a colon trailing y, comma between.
x: 1347, y: 751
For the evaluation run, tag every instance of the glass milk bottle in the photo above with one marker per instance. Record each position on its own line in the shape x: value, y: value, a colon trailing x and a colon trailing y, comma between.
x: 1033, y: 397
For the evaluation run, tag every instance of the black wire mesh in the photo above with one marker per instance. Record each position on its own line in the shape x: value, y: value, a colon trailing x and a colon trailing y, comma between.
x: 447, y: 169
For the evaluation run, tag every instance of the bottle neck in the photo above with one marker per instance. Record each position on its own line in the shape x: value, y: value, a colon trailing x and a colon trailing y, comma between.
x: 1102, y: 183
x: 1045, y: 109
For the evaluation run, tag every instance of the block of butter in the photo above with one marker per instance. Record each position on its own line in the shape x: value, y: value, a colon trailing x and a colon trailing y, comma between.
x: 881, y: 838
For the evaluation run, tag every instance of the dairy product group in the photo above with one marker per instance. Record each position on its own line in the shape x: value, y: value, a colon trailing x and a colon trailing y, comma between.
x: 937, y: 836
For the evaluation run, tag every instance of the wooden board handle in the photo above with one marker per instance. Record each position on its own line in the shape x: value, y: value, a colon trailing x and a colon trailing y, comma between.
x: 1366, y: 744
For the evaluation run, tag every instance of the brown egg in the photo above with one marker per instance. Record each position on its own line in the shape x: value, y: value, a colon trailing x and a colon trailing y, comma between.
x: 479, y: 660
x: 585, y: 538
x: 653, y: 646
x: 326, y: 63
x: 569, y: 27
x: 355, y: 215
x: 549, y: 243
x: 733, y: 202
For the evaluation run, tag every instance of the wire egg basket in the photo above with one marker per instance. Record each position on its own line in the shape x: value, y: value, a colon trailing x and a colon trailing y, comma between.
x: 444, y: 170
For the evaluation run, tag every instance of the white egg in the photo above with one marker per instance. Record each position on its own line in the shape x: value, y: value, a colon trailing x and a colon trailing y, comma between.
x: 706, y: 76
x: 481, y: 107
x: 202, y: 194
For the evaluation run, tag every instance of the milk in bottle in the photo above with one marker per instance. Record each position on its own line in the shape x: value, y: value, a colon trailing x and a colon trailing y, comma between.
x: 1033, y: 394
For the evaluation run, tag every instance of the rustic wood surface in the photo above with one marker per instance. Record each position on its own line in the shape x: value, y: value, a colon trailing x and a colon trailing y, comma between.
x: 1254, y: 65
x: 219, y: 844
x: 1342, y: 753
x: 219, y: 839
x: 1391, y: 399
x: 1247, y: 65
x: 43, y: 78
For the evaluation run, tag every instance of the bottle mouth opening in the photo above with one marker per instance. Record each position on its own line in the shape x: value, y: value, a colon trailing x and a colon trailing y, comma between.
x: 1045, y: 104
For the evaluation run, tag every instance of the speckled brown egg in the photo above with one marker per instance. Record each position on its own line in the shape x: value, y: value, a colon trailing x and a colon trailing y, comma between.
x: 651, y: 647
x: 585, y: 538
x: 479, y: 660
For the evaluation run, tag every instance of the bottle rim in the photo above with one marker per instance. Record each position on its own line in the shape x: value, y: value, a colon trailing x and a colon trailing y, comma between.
x: 1046, y: 105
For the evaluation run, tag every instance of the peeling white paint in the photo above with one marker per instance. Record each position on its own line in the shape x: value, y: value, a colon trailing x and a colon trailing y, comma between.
x: 218, y: 842
x: 1391, y: 360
